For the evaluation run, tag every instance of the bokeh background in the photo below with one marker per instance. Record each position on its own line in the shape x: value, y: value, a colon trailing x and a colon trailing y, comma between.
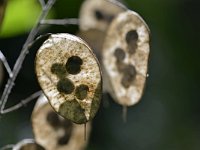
x: 166, y: 118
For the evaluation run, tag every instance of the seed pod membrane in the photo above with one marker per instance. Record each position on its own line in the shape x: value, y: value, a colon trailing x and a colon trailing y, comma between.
x: 28, y: 144
x: 125, y: 57
x: 64, y: 63
x: 53, y: 131
x: 97, y: 14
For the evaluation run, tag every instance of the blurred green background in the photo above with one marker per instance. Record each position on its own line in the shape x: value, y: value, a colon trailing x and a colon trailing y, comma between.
x: 167, y: 117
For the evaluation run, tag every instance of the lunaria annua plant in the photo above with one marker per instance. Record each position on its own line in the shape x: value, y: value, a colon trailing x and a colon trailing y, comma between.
x: 70, y: 75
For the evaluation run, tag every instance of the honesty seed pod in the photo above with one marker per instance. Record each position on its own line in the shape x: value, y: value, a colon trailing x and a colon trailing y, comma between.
x: 70, y: 76
x: 53, y: 131
x: 125, y: 57
x: 97, y: 14
x: 28, y: 144
x: 95, y: 17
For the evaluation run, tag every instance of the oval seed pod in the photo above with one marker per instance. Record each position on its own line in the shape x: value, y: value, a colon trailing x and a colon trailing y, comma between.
x: 97, y: 14
x: 70, y: 76
x: 125, y: 57
x: 95, y: 17
x: 53, y: 131
x: 28, y: 144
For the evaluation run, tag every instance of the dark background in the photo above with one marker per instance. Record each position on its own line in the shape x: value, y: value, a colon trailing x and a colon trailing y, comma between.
x: 167, y: 117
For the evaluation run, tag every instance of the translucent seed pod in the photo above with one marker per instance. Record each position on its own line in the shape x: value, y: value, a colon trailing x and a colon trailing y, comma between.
x: 95, y: 17
x: 54, y: 132
x: 70, y: 76
x: 97, y: 14
x: 125, y: 57
x: 28, y: 144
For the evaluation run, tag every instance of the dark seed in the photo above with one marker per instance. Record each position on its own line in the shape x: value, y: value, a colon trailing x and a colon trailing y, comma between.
x: 131, y: 36
x: 58, y: 69
x: 130, y: 70
x: 102, y: 16
x: 67, y: 125
x: 64, y: 139
x: 52, y: 119
x: 73, y: 111
x: 99, y: 15
x: 129, y: 76
x: 119, y: 54
x: 131, y: 39
x: 73, y: 65
x: 81, y: 91
x: 65, y: 86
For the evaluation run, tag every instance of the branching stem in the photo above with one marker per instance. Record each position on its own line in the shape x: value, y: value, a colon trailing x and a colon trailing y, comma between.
x: 24, y: 52
x: 67, y: 21
x: 9, y: 146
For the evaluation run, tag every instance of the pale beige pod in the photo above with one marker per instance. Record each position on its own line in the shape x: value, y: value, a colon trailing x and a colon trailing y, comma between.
x: 125, y: 57
x: 97, y: 14
x: 28, y: 144
x: 70, y: 76
x: 54, y: 132
x: 95, y: 17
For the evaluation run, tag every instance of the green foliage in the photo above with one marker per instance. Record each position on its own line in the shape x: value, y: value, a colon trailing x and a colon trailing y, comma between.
x: 20, y: 17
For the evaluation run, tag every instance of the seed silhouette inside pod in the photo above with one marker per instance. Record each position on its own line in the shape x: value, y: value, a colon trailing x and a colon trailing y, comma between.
x: 97, y: 14
x: 53, y: 131
x: 125, y: 57
x: 63, y: 64
x: 28, y: 144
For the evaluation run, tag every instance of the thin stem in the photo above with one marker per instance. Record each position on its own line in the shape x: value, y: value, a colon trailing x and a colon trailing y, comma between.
x: 22, y: 103
x: 85, y: 131
x: 124, y: 113
x: 42, y: 3
x: 67, y: 21
x: 5, y: 63
x: 24, y: 52
x: 9, y: 146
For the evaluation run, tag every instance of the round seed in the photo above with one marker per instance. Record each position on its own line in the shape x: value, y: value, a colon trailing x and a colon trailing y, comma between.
x: 81, y: 91
x: 119, y: 54
x: 65, y: 86
x: 73, y: 65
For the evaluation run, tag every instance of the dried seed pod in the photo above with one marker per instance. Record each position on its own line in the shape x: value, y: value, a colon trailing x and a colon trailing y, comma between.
x: 53, y: 131
x: 125, y: 57
x: 97, y: 14
x: 65, y: 63
x: 28, y: 144
x: 95, y: 17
